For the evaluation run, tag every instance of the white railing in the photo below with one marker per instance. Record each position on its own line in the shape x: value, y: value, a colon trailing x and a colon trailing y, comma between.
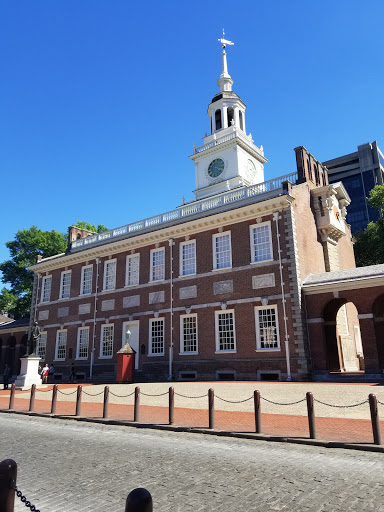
x: 233, y: 196
x: 226, y: 138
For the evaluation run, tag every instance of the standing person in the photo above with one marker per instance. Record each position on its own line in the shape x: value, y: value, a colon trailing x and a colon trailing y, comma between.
x: 51, y: 371
x: 45, y: 373
x: 72, y: 373
x: 6, y: 372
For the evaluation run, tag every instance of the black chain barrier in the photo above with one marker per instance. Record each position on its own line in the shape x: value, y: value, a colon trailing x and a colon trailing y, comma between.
x: 93, y: 394
x: 23, y: 499
x: 340, y: 406
x: 278, y: 403
x: 234, y: 401
x: 160, y: 394
x: 43, y: 390
x: 67, y: 394
x: 185, y: 396
x: 121, y: 396
x: 381, y: 403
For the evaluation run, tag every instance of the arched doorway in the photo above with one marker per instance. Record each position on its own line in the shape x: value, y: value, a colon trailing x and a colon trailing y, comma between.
x: 10, y: 357
x: 342, y: 336
x: 378, y: 318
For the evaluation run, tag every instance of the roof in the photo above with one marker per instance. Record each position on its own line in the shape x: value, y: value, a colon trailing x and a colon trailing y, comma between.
x: 350, y: 275
x: 5, y: 319
x: 22, y: 322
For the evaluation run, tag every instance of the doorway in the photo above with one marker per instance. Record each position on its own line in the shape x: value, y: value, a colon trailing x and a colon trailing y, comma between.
x: 132, y: 326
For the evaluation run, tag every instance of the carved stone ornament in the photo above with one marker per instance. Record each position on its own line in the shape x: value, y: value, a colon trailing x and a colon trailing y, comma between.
x: 156, y: 297
x: 131, y: 302
x: 108, y: 305
x: 43, y: 315
x: 188, y: 292
x: 263, y: 281
x: 221, y: 287
x: 84, y: 309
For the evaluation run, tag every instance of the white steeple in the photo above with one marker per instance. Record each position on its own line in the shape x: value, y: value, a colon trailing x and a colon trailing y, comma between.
x: 228, y: 159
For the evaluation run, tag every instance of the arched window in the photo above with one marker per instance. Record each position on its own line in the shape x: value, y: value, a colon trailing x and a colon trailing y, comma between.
x: 78, y: 236
x: 230, y: 115
x: 241, y: 120
x: 218, y: 119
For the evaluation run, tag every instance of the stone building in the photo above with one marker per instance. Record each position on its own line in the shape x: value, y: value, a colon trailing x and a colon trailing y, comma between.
x: 211, y: 289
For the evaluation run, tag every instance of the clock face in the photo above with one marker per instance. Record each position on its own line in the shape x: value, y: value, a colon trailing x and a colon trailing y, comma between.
x: 215, y: 168
x: 251, y: 170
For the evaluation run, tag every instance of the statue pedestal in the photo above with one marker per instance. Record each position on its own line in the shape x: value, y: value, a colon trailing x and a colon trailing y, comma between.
x: 29, y: 372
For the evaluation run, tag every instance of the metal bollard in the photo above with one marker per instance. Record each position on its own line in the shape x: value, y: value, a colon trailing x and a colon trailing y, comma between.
x: 256, y: 399
x: 375, y: 419
x: 54, y: 399
x: 211, y: 407
x: 136, y: 405
x: 106, y: 402
x: 171, y: 405
x: 12, y: 397
x: 32, y: 399
x: 8, y: 474
x: 311, y: 416
x: 139, y: 500
x: 78, y: 400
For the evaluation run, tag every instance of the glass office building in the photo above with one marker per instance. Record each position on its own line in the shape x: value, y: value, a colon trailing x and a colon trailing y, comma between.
x: 359, y: 172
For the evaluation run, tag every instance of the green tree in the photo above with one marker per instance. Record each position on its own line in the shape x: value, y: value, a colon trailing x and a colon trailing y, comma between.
x: 100, y: 228
x: 369, y: 244
x: 24, y: 249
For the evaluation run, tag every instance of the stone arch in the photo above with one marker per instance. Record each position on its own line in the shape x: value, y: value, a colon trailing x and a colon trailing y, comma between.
x: 343, y: 342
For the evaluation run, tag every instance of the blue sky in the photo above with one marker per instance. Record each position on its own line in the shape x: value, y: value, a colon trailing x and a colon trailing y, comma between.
x: 101, y: 101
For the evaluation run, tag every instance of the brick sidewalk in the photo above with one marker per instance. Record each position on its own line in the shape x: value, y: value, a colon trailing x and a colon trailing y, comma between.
x: 329, y: 429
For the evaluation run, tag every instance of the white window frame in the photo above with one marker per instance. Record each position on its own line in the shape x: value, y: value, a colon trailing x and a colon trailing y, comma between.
x: 83, y: 269
x: 153, y: 267
x: 63, y: 273
x: 106, y: 263
x: 217, y: 333
x: 42, y: 342
x: 182, y: 271
x: 182, y: 340
x: 129, y: 259
x: 79, y: 331
x: 215, y: 253
x: 253, y: 245
x: 259, y: 348
x: 43, y: 285
x: 58, y: 333
x: 150, y: 346
x: 103, y: 326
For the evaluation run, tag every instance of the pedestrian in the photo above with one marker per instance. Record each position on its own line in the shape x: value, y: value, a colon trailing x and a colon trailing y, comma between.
x: 51, y: 371
x: 6, y: 372
x: 72, y: 373
x: 45, y: 373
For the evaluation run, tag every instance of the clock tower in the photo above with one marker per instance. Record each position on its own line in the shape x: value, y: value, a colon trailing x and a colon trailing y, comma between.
x: 228, y: 159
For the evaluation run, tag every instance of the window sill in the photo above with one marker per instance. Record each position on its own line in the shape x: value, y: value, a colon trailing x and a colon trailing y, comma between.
x: 226, y: 352
x: 268, y: 349
x: 187, y: 275
x: 131, y: 285
x: 261, y: 261
x: 188, y: 353
x: 157, y: 281
x: 106, y: 357
x: 81, y: 358
x: 221, y: 269
x: 64, y: 298
x: 59, y: 359
x: 85, y: 294
x: 156, y: 355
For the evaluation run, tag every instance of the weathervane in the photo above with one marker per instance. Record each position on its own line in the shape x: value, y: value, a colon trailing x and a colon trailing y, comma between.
x: 224, y: 42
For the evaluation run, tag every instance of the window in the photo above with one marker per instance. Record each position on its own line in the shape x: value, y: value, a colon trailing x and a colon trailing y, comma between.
x: 65, y: 284
x: 267, y: 328
x: 82, y: 343
x: 225, y: 331
x: 46, y: 289
x: 261, y: 242
x: 188, y: 334
x: 132, y: 270
x: 109, y: 275
x: 156, y: 336
x: 241, y: 120
x: 188, y: 258
x: 218, y: 119
x: 86, y: 280
x: 230, y: 116
x: 222, y: 257
x: 106, y: 345
x: 61, y: 345
x: 157, y: 264
x: 41, y: 345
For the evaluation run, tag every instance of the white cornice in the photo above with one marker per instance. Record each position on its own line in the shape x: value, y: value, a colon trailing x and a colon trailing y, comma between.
x: 174, y: 231
x: 350, y: 284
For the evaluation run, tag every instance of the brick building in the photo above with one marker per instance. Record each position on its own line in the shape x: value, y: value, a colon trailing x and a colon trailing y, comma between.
x: 212, y: 289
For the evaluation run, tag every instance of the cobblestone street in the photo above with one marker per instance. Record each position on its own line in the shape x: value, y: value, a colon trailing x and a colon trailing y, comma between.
x: 70, y: 466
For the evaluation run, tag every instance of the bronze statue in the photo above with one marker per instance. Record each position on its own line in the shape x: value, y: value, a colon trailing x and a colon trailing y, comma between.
x: 33, y: 339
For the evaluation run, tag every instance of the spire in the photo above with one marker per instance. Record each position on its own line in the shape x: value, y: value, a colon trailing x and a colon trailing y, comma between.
x: 225, y: 81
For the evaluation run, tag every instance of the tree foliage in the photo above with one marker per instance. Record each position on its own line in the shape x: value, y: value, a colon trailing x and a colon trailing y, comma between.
x: 100, y: 228
x: 369, y: 244
x: 24, y: 249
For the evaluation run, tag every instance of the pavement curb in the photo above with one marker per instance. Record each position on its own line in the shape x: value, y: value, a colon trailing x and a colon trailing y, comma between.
x: 195, y: 430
